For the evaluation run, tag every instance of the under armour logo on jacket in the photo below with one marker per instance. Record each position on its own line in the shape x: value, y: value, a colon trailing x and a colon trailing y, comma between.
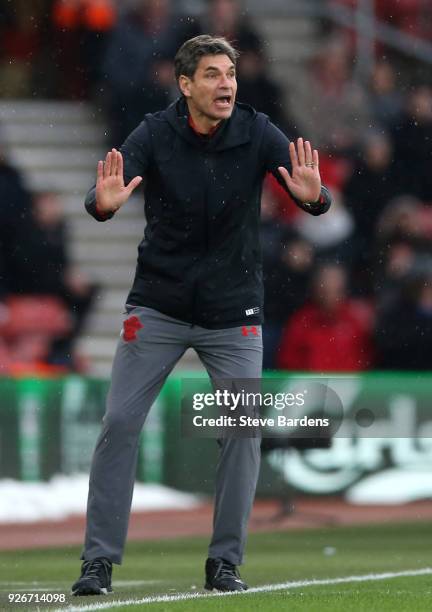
x: 249, y: 330
x: 130, y: 328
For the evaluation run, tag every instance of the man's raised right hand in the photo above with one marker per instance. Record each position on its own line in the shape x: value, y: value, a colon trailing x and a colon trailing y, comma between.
x: 111, y: 192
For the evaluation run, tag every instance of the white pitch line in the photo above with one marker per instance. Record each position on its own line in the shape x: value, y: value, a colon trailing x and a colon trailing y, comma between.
x: 266, y: 588
x: 134, y: 583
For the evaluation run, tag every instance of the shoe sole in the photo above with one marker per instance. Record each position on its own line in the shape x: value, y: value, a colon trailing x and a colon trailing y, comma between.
x: 209, y: 587
x: 83, y: 591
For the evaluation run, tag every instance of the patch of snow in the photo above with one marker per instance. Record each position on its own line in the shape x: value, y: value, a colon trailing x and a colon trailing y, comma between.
x: 65, y: 496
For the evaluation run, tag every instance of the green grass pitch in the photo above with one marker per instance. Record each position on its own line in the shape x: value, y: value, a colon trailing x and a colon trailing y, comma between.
x: 176, y: 566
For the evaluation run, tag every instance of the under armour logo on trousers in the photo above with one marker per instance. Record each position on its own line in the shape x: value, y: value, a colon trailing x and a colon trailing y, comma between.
x: 249, y: 330
x: 130, y: 328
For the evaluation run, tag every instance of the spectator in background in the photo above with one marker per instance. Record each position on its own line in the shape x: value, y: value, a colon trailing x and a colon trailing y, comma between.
x: 386, y: 98
x: 225, y: 18
x: 330, y: 105
x: 15, y: 204
x: 400, y: 243
x: 39, y: 265
x: 256, y: 88
x: 401, y: 219
x: 81, y: 31
x: 138, y: 66
x: 286, y: 281
x: 371, y: 186
x: 5, y: 356
x: 272, y: 227
x: 412, y: 139
x: 403, y: 333
x: 331, y: 333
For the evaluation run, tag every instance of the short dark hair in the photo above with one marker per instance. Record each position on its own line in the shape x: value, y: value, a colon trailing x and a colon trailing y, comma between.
x: 188, y: 56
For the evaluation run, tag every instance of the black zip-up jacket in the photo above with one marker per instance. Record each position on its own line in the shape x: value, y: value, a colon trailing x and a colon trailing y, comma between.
x: 200, y: 260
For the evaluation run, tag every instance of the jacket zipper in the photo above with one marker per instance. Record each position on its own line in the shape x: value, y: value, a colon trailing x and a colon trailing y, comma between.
x: 207, y: 165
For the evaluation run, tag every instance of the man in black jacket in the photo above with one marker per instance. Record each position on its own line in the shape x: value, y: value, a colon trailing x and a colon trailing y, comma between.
x: 198, y: 284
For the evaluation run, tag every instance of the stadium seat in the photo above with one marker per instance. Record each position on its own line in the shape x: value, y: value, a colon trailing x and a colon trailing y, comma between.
x: 34, y: 315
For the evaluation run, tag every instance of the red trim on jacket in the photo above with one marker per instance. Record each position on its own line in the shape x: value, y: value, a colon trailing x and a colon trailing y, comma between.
x: 195, y: 129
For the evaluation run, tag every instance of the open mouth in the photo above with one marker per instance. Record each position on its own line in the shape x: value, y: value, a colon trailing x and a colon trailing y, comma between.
x: 223, y: 101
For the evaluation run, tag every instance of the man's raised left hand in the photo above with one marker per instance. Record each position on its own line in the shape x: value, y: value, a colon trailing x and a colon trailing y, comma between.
x: 304, y: 182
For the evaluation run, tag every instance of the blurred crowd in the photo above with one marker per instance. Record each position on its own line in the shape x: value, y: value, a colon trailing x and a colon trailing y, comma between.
x: 348, y: 291
x: 352, y: 291
x: 44, y: 299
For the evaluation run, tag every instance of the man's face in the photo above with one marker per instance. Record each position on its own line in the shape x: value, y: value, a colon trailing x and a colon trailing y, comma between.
x: 212, y: 90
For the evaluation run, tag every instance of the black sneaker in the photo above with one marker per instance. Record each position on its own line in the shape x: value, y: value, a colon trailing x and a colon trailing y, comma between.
x: 223, y: 576
x: 95, y: 578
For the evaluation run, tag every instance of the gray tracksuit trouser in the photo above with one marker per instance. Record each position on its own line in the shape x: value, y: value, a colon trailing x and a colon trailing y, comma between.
x: 150, y: 346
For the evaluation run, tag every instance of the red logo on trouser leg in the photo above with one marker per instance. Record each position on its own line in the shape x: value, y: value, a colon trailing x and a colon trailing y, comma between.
x: 249, y: 330
x: 130, y: 328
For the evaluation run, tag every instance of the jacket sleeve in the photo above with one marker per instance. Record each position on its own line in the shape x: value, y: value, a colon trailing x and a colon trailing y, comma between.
x: 276, y: 153
x: 136, y: 151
